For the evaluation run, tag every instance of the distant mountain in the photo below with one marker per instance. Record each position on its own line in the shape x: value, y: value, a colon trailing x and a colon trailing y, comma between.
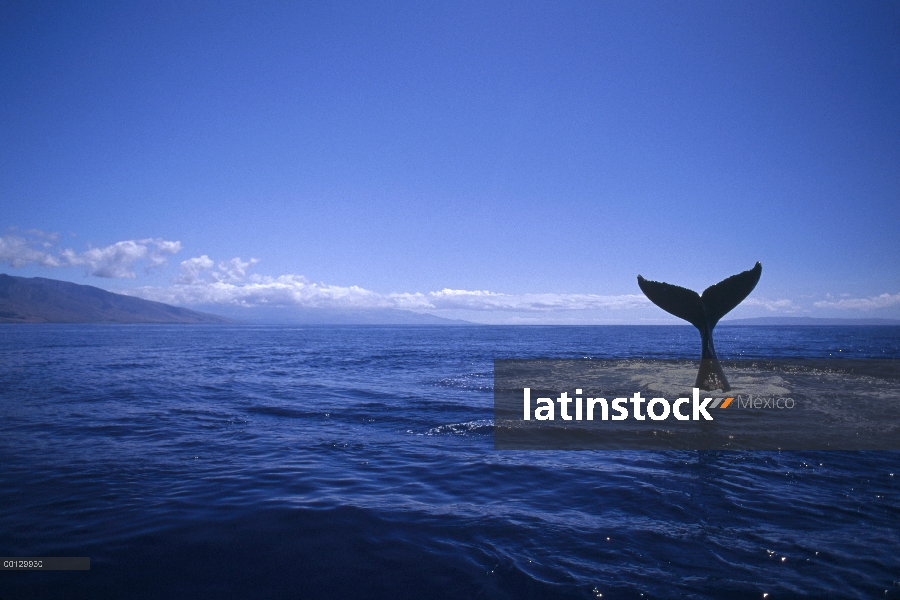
x: 40, y: 300
x: 797, y: 321
x: 292, y: 315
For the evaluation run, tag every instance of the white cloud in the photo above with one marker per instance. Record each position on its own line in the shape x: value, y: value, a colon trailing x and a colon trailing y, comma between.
x: 783, y: 305
x: 489, y: 301
x: 116, y: 260
x: 199, y: 284
x: 18, y: 251
x: 871, y: 303
x: 234, y: 270
x: 193, y: 268
x: 163, y: 249
x: 287, y: 290
x: 199, y: 271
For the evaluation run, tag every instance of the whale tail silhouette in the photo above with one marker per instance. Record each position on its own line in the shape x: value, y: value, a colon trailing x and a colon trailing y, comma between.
x: 703, y: 311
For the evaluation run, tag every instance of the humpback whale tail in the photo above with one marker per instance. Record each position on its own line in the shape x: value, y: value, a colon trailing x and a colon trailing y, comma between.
x: 703, y: 311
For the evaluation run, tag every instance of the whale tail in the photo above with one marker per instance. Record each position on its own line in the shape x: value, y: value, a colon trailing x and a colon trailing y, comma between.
x: 703, y: 311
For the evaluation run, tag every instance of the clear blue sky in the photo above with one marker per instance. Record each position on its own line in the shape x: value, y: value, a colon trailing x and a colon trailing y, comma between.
x: 520, y: 148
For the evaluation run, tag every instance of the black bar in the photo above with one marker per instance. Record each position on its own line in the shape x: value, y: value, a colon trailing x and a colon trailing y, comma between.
x: 45, y: 563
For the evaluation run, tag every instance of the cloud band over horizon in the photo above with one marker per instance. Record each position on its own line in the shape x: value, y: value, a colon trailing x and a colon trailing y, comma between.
x: 201, y: 281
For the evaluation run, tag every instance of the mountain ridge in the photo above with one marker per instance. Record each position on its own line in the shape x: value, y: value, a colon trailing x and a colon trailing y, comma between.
x: 42, y: 300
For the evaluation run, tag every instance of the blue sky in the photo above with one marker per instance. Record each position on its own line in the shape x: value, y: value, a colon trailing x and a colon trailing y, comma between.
x: 376, y: 154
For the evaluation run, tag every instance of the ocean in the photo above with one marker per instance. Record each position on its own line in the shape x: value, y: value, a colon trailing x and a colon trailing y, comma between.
x: 358, y: 462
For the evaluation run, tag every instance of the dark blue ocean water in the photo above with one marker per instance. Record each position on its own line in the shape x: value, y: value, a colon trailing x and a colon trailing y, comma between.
x: 357, y: 462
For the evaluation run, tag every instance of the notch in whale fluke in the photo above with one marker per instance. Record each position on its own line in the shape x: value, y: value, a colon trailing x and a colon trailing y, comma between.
x: 703, y: 311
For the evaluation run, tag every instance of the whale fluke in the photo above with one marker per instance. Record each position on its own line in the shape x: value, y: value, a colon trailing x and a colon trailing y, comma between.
x: 703, y: 312
x: 720, y: 298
